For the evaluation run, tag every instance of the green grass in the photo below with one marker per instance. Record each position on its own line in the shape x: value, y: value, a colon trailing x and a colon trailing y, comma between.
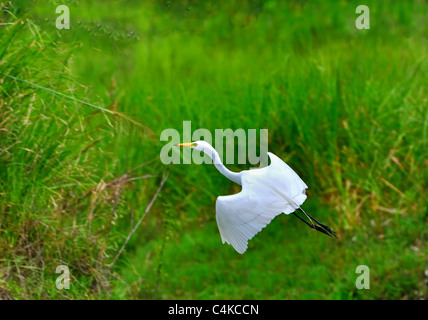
x: 82, y: 107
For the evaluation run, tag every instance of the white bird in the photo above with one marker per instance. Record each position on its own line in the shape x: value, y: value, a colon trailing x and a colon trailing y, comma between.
x: 266, y: 192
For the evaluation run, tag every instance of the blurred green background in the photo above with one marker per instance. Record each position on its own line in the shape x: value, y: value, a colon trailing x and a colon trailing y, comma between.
x: 82, y: 110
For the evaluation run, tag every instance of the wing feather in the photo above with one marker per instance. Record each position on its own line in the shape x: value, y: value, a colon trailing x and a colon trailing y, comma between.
x: 266, y: 193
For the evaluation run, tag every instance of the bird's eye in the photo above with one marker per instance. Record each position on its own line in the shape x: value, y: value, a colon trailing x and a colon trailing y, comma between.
x: 194, y: 144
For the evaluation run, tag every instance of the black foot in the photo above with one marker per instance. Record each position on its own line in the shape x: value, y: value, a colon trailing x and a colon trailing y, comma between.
x: 320, y: 227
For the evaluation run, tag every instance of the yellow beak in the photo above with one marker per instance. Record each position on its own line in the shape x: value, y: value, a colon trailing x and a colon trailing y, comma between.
x: 188, y: 144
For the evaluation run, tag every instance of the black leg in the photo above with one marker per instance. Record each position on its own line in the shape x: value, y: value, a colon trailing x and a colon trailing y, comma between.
x: 319, y: 223
x: 310, y: 225
x: 321, y: 228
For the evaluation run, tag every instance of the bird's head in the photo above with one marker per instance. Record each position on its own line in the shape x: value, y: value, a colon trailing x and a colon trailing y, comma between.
x: 197, y: 145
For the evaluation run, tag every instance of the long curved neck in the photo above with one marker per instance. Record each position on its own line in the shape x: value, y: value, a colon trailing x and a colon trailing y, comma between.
x: 234, y: 176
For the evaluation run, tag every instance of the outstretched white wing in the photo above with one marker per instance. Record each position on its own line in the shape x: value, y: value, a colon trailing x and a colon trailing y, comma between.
x: 266, y: 193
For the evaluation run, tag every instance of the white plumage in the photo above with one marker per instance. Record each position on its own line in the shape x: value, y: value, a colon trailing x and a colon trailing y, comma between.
x: 266, y: 192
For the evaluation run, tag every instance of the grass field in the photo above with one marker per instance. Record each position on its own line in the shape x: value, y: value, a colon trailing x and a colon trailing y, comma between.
x: 82, y: 110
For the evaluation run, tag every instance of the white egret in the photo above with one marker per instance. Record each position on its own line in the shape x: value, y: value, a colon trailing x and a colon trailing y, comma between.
x: 266, y: 192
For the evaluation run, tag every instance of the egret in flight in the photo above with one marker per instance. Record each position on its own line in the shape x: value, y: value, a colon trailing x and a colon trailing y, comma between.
x: 266, y: 192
